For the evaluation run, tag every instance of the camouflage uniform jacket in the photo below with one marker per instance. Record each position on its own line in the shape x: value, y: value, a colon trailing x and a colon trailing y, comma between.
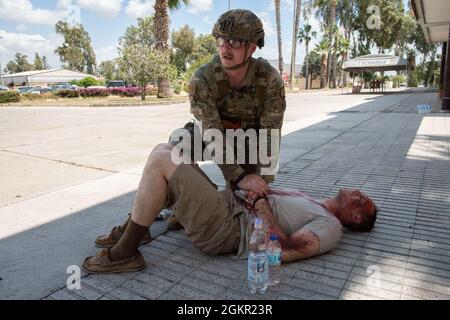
x: 259, y: 104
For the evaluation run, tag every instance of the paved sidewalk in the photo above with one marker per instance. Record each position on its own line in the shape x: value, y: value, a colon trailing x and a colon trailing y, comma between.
x: 383, y: 146
x: 397, y: 156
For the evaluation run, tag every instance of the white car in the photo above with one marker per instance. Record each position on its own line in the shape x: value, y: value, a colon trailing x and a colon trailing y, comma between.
x: 4, y: 88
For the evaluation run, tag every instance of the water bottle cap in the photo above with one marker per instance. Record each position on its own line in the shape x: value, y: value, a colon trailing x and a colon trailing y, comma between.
x: 273, y: 237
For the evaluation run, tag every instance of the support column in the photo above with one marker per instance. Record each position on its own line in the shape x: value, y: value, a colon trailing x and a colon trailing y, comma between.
x: 446, y: 94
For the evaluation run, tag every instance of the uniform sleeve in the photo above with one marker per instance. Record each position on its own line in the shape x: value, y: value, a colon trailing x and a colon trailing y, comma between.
x: 272, y: 120
x: 204, y: 109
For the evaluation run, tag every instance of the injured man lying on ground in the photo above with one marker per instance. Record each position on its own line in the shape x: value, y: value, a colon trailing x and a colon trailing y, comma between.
x: 219, y: 222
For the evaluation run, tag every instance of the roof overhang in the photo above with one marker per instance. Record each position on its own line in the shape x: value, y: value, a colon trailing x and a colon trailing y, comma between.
x: 375, y: 62
x: 434, y: 18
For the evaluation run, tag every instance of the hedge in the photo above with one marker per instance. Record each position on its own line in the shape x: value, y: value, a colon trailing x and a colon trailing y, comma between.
x: 94, y: 92
x: 9, y: 96
x: 67, y: 94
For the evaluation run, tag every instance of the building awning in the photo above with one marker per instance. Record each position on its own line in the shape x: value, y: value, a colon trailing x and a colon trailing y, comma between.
x: 434, y: 18
x: 44, y: 76
x: 375, y: 62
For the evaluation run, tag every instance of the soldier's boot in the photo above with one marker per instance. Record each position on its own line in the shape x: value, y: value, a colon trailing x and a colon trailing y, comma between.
x: 173, y: 223
x: 111, y: 239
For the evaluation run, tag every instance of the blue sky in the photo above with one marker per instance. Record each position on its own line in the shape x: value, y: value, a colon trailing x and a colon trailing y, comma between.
x: 27, y: 26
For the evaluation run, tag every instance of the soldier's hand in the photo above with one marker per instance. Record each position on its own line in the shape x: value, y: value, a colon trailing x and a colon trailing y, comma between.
x: 255, y: 184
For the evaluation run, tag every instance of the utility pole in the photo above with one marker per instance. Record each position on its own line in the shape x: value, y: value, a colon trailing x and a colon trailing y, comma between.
x: 229, y: 4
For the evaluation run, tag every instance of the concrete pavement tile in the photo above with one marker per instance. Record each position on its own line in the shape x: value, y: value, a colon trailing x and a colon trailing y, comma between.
x: 424, y: 294
x: 124, y: 294
x: 192, y: 293
x: 143, y: 289
x: 160, y: 283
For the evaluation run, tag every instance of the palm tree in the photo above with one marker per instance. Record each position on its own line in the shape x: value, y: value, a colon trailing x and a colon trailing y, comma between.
x: 162, y: 36
x: 346, y: 16
x: 333, y: 27
x: 280, y: 48
x: 343, y: 47
x: 323, y: 12
x: 306, y: 35
x: 322, y: 50
x: 297, y: 10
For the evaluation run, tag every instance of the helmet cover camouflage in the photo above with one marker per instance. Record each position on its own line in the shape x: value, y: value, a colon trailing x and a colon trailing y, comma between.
x: 240, y: 24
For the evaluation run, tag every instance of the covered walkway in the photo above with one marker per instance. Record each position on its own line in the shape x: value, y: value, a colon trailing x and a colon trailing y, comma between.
x: 374, y: 63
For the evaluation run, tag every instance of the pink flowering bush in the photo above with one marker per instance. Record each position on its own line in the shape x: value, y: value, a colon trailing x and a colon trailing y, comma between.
x: 94, y: 92
x: 125, y: 92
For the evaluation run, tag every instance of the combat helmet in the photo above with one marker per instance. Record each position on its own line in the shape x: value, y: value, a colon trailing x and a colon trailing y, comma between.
x: 240, y: 24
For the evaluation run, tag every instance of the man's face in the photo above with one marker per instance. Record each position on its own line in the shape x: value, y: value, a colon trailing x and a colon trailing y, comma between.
x: 353, y: 204
x: 231, y: 56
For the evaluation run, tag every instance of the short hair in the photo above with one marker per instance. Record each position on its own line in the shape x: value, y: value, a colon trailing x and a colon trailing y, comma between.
x: 367, y: 221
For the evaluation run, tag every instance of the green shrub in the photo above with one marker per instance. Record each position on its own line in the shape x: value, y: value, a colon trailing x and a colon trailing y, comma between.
x: 41, y: 97
x: 9, y: 96
x: 67, y: 94
x: 177, y: 86
x: 88, y: 82
x: 193, y: 68
x: 413, y: 79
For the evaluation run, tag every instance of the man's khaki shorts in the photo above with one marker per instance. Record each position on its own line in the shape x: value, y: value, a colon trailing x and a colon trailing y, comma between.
x: 209, y: 217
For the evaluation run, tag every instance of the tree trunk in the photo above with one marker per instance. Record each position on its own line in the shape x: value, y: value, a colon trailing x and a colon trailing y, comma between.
x: 334, y: 63
x: 307, y: 68
x: 343, y: 80
x: 143, y: 93
x: 323, y: 69
x: 348, y: 33
x: 162, y: 40
x: 432, y: 65
x: 280, y: 48
x: 333, y: 59
x: 297, y: 6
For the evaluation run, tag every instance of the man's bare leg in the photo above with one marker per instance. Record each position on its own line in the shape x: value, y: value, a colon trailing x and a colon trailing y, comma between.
x: 151, y: 195
x: 150, y: 198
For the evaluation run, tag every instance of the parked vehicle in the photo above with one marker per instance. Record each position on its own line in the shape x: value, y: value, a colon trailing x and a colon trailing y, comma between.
x: 63, y: 86
x: 38, y: 90
x: 23, y: 89
x: 34, y: 91
x: 96, y: 87
x: 4, y: 88
x: 116, y: 84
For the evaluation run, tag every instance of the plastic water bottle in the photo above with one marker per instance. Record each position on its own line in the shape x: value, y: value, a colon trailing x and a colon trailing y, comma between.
x: 258, y: 271
x: 274, y: 258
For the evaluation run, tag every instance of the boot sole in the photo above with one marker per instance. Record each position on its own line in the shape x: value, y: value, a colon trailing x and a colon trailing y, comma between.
x: 112, y: 271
